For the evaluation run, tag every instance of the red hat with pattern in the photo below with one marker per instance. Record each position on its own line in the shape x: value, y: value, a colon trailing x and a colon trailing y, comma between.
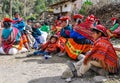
x: 7, y: 19
x: 114, y: 18
x: 65, y: 18
x: 101, y: 28
x: 78, y: 16
x: 91, y: 18
x: 97, y: 19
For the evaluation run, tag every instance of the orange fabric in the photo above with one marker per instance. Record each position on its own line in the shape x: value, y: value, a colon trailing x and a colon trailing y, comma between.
x: 73, y: 49
x: 24, y: 38
x: 61, y: 43
x: 104, y: 53
x: 20, y: 44
x: 49, y: 47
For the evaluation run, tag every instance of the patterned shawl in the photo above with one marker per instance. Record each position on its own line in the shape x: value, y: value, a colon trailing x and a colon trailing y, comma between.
x: 104, y: 53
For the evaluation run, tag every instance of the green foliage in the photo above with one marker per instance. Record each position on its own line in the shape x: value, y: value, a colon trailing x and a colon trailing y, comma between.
x: 85, y: 7
x: 39, y: 6
x: 26, y: 7
x: 5, y: 6
x: 31, y: 17
x: 17, y: 7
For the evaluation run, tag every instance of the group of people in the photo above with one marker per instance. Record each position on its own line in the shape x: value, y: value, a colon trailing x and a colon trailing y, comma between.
x: 20, y: 36
x: 87, y: 42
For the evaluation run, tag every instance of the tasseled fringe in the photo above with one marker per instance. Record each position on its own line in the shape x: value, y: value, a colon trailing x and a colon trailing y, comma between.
x: 107, y: 67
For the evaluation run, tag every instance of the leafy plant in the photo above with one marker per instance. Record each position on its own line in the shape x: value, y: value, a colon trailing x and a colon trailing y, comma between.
x: 85, y: 7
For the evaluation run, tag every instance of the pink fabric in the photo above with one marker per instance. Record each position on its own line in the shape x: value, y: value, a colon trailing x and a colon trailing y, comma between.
x: 0, y: 35
x: 67, y: 32
x: 117, y: 31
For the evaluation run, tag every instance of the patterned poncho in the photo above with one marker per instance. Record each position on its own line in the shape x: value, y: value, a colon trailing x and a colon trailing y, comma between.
x: 104, y: 53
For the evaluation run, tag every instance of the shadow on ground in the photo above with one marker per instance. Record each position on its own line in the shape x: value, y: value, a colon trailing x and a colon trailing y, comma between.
x: 57, y: 79
x: 42, y: 60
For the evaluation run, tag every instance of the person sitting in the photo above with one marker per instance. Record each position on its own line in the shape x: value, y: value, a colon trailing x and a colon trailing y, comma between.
x: 114, y: 31
x: 36, y: 34
x: 51, y: 46
x: 19, y: 23
x: 10, y: 39
x: 77, y: 43
x: 66, y: 28
x: 102, y: 55
x: 89, y: 22
x: 28, y: 29
x: 45, y: 29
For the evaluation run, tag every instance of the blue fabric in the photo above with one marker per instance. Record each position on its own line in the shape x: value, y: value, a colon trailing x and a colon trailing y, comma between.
x: 19, y: 25
x: 36, y: 32
x: 62, y: 32
x: 7, y: 32
x: 37, y: 42
x: 18, y: 36
x: 40, y: 53
x: 76, y: 35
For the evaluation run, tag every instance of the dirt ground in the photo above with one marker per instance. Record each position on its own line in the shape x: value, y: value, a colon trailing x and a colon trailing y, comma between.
x: 19, y: 69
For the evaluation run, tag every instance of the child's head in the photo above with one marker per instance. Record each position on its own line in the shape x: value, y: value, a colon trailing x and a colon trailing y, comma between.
x: 53, y: 39
x: 16, y: 15
x: 98, y: 31
x: 29, y: 22
x: 65, y: 21
x: 7, y: 22
x: 37, y: 25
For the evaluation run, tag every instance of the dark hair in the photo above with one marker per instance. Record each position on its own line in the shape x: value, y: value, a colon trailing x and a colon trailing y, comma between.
x: 79, y: 21
x: 45, y: 23
x: 98, y: 22
x: 117, y: 21
x: 29, y: 20
x: 97, y: 31
x: 7, y: 24
x: 16, y: 13
x: 54, y: 37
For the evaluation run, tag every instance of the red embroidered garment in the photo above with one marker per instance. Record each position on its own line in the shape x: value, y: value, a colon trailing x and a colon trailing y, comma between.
x: 49, y: 47
x: 84, y: 32
x: 104, y: 53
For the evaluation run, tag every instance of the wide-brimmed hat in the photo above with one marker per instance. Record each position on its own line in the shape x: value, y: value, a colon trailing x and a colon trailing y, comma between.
x: 7, y: 19
x: 78, y: 16
x: 65, y: 18
x: 100, y: 28
x: 91, y: 18
x: 114, y: 18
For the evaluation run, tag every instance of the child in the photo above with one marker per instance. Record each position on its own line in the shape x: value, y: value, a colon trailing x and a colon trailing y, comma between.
x: 28, y: 29
x: 102, y: 55
x: 49, y: 47
x: 19, y: 23
x: 36, y: 34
